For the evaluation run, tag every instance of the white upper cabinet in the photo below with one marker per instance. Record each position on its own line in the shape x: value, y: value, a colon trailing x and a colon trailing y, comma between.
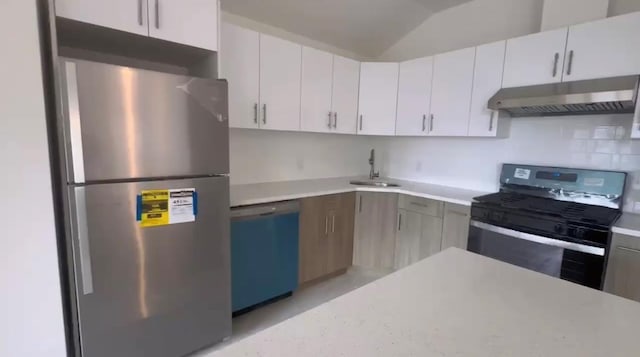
x: 414, y: 96
x: 378, y: 98
x: 280, y: 67
x: 317, y: 78
x: 535, y: 59
x: 123, y: 15
x: 487, y: 80
x: 240, y: 66
x: 605, y: 48
x: 189, y: 22
x: 346, y: 81
x: 451, y: 93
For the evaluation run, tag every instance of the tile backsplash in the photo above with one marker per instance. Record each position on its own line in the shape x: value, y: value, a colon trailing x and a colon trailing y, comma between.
x: 599, y: 141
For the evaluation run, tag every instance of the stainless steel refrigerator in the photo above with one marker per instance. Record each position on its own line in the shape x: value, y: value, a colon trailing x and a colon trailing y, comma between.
x: 147, y: 208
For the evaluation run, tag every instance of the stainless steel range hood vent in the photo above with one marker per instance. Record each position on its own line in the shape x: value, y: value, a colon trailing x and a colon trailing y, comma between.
x: 596, y: 96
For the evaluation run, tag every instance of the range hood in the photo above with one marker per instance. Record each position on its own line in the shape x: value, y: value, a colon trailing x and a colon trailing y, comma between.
x: 595, y: 96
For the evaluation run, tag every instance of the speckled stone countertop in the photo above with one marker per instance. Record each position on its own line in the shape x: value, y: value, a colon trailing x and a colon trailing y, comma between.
x: 457, y: 303
x: 628, y: 224
x: 250, y: 194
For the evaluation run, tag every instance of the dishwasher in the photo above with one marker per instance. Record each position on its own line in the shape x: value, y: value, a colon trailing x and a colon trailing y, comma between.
x: 264, y: 254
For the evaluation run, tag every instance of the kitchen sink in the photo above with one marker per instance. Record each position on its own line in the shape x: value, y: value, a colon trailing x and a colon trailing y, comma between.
x: 374, y: 183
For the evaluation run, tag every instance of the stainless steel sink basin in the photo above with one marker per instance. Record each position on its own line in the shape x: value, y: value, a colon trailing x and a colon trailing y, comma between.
x: 374, y: 183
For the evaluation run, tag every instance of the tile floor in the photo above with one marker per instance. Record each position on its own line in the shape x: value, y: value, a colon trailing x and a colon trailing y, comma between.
x: 301, y: 301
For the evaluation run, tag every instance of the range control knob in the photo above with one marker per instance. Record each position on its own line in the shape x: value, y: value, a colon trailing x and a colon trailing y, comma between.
x: 558, y: 228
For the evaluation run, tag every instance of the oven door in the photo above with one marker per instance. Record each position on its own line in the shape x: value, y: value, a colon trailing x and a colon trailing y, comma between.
x: 579, y: 263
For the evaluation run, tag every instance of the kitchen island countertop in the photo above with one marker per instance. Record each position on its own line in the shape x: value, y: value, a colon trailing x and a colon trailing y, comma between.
x: 250, y: 194
x: 457, y: 303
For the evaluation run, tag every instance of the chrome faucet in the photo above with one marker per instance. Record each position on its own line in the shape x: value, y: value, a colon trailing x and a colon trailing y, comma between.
x: 372, y: 162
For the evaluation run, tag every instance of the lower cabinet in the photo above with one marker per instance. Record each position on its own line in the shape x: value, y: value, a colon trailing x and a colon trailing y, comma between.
x: 326, y: 235
x: 623, y: 267
x: 375, y: 230
x: 419, y: 230
x: 455, y: 232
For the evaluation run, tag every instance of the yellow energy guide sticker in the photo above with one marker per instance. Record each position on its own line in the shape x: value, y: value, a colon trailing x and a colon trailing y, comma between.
x: 155, y: 208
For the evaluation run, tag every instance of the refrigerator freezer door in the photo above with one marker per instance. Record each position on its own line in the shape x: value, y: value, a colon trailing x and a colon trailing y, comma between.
x: 155, y: 291
x: 123, y: 123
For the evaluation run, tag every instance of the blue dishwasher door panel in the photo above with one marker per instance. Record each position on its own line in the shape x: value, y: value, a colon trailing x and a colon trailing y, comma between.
x: 264, y: 258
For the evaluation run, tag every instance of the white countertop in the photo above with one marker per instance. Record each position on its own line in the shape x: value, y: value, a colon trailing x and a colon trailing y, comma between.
x: 249, y: 194
x: 628, y: 224
x: 457, y: 303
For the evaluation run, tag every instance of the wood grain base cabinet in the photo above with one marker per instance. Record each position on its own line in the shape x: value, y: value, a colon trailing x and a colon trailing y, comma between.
x: 375, y: 230
x: 419, y: 230
x: 623, y: 267
x: 455, y: 231
x: 326, y: 235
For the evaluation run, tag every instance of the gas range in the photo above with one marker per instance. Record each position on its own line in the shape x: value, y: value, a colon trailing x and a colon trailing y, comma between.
x: 553, y: 220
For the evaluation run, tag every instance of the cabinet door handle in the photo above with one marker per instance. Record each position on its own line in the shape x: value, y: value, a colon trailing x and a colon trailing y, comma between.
x: 424, y: 122
x: 493, y: 114
x: 329, y: 123
x: 335, y: 120
x: 399, y: 222
x: 570, y: 63
x: 360, y: 205
x: 255, y: 113
x: 333, y: 223
x: 431, y: 123
x: 556, y: 57
x: 326, y: 225
x: 140, y: 12
x: 157, y: 14
x: 360, y: 122
x: 264, y: 114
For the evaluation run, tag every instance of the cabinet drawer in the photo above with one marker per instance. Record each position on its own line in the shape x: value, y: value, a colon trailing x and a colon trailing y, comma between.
x: 421, y: 205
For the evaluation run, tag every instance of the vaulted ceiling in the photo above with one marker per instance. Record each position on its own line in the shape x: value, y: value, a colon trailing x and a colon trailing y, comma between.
x: 366, y: 27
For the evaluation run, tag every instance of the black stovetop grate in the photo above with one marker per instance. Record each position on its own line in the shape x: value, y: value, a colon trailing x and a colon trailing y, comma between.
x: 572, y: 211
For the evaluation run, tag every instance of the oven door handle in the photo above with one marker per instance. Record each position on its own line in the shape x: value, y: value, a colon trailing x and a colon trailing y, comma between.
x: 539, y: 239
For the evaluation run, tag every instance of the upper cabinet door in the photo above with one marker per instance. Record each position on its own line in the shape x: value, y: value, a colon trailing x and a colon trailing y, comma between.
x: 240, y: 66
x: 378, y: 98
x: 189, y: 22
x: 317, y: 73
x: 414, y: 96
x: 605, y: 48
x: 280, y: 67
x: 346, y: 82
x: 451, y: 93
x: 487, y: 80
x: 123, y: 15
x: 535, y: 59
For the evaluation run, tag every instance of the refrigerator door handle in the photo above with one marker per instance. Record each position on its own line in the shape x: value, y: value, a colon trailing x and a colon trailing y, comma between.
x: 82, y: 236
x: 75, y: 126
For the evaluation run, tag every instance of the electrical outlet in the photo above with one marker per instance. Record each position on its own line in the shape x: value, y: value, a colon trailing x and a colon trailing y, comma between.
x: 419, y: 166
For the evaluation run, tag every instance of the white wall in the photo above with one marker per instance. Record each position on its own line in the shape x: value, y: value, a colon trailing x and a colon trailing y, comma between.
x: 563, y: 13
x: 470, y: 24
x: 263, y: 156
x: 600, y: 142
x: 278, y: 32
x: 479, y: 22
x: 620, y: 7
x: 31, y: 322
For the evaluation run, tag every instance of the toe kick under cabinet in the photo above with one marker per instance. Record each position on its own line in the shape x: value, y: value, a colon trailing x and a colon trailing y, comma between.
x: 326, y: 235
